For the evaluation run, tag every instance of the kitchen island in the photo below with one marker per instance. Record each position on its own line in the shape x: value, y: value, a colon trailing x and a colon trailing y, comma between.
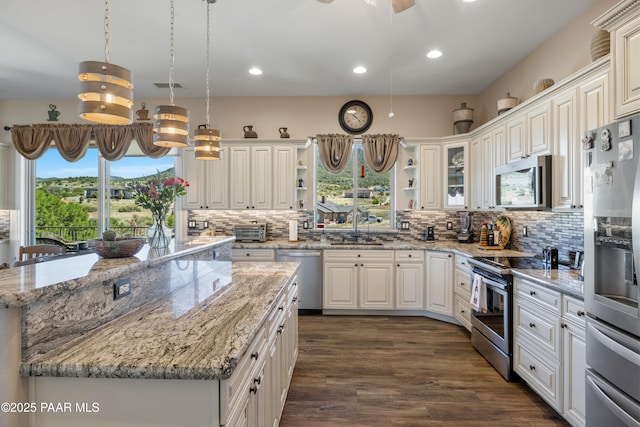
x: 182, y: 349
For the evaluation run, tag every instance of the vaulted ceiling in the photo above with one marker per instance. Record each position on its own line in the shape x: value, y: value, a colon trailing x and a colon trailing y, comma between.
x: 304, y: 47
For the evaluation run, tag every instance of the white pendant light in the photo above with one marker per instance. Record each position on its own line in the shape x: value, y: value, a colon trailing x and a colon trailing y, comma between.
x: 207, y: 140
x: 171, y: 126
x: 105, y: 90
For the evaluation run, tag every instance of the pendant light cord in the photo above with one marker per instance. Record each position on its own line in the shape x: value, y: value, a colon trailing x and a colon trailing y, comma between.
x: 106, y: 31
x: 207, y: 56
x: 171, y: 54
x: 391, y: 62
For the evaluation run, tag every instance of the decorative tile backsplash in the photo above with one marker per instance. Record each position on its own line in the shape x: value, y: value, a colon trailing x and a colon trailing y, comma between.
x: 563, y: 230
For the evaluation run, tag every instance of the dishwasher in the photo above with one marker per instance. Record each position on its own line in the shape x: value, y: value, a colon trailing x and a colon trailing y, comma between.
x: 309, y: 277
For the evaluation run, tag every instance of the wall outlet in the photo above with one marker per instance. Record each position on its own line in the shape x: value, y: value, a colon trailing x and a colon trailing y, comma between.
x: 404, y: 225
x: 525, y: 231
x: 305, y: 225
x: 122, y: 288
x: 449, y: 225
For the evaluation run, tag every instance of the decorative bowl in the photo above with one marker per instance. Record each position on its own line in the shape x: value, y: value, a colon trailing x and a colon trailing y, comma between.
x: 119, y: 248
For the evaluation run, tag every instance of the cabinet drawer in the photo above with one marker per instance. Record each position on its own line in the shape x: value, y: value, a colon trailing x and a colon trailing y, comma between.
x: 276, y: 315
x: 231, y: 389
x: 546, y: 297
x: 462, y: 311
x: 573, y: 310
x: 541, y: 376
x: 253, y: 254
x: 462, y: 284
x: 461, y: 262
x: 358, y: 255
x: 539, y: 325
x: 416, y: 256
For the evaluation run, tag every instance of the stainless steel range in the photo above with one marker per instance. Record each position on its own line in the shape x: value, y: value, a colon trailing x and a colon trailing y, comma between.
x: 491, y: 333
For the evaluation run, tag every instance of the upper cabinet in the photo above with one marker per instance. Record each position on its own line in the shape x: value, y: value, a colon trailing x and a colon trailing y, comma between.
x: 430, y: 172
x: 529, y: 132
x: 248, y: 176
x: 455, y: 160
x: 566, y: 191
x: 623, y: 21
x: 408, y: 177
x: 208, y: 186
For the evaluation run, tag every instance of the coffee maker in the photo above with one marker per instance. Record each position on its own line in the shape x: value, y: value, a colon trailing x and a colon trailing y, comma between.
x: 550, y: 258
x: 466, y: 228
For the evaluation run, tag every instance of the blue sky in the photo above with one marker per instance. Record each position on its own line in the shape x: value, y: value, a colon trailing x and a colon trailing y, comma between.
x: 52, y: 165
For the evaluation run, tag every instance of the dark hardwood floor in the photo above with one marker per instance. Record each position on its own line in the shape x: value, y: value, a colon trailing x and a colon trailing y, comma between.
x: 401, y: 371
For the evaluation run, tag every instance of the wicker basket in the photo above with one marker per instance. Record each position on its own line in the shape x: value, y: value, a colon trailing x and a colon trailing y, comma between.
x: 119, y: 248
x: 600, y: 44
x: 541, y: 85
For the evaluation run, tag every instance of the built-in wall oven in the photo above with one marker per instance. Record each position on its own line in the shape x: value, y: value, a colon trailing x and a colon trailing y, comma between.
x: 491, y: 333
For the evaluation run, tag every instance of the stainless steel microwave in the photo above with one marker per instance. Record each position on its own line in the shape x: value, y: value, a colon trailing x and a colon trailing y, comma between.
x: 524, y: 184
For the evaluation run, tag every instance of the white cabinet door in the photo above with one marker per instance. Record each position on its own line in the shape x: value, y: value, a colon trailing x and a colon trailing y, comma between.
x: 574, y: 361
x: 439, y: 283
x: 340, y: 285
x: 193, y: 173
x: 376, y: 286
x: 284, y: 177
x: 430, y: 188
x: 456, y: 188
x: 409, y: 286
x: 488, y: 177
x: 516, y: 148
x: 539, y: 131
x: 477, y: 172
x: 499, y: 149
x: 626, y: 64
x: 240, y: 178
x: 261, y: 177
x: 217, y: 181
x: 566, y: 153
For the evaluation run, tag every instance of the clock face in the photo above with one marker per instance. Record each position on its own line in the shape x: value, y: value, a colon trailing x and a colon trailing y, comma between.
x: 355, y: 117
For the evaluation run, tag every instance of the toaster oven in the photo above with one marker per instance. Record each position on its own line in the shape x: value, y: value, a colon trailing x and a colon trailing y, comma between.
x: 254, y: 232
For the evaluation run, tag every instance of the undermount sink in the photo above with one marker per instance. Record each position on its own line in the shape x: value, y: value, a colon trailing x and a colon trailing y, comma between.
x: 356, y: 244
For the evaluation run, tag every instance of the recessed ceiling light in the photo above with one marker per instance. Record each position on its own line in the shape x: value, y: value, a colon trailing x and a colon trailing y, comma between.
x: 468, y: 1
x: 359, y: 70
x: 435, y: 53
x: 255, y: 71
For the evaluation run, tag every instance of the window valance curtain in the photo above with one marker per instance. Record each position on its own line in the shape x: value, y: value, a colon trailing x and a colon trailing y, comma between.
x: 72, y: 140
x: 334, y: 151
x: 380, y: 151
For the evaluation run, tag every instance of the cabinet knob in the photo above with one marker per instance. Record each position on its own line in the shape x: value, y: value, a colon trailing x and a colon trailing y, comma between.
x: 449, y: 255
x: 532, y: 293
x: 294, y: 299
x: 532, y: 325
x: 355, y: 265
x: 248, y: 254
x: 532, y: 368
x: 254, y: 355
x: 361, y: 265
x: 257, y: 380
x: 564, y: 325
x: 462, y: 311
x: 409, y: 255
x: 253, y: 390
x: 397, y: 265
x: 461, y: 283
x: 281, y: 308
x: 580, y: 313
x: 280, y: 329
x: 573, y: 206
x: 358, y: 255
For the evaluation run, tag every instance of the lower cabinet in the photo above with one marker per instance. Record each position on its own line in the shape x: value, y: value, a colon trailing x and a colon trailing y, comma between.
x: 255, y: 255
x: 462, y: 292
x: 358, y: 279
x: 549, y: 347
x: 439, y: 286
x: 409, y: 284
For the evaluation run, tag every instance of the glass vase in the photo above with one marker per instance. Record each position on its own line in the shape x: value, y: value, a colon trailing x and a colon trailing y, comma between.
x: 158, y: 234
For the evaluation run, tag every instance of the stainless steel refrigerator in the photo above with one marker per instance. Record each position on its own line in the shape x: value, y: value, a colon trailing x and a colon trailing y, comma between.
x: 612, y: 254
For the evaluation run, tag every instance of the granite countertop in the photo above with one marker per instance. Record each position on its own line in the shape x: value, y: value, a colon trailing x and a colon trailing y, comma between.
x: 468, y: 249
x: 199, y: 331
x: 27, y: 284
x: 563, y: 280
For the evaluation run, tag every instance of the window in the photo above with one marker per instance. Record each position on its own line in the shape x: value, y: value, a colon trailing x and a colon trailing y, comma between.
x: 73, y: 199
x: 356, y: 192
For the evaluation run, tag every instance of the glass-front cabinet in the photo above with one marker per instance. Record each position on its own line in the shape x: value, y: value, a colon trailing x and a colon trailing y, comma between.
x: 455, y: 159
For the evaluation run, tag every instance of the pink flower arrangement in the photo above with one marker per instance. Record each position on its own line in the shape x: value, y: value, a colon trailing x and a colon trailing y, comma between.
x: 158, y: 195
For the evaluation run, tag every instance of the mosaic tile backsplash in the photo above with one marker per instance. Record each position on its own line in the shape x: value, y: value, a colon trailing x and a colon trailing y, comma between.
x: 563, y: 230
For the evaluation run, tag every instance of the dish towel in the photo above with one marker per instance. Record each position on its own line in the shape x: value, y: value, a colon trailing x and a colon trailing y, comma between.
x: 478, y: 294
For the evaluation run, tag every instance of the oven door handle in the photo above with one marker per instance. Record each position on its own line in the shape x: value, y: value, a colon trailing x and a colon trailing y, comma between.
x: 493, y: 284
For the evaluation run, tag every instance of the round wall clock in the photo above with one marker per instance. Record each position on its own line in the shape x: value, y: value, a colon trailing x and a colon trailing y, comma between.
x: 355, y: 117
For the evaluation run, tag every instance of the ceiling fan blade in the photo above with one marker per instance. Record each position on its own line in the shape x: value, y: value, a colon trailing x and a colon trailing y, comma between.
x: 401, y: 5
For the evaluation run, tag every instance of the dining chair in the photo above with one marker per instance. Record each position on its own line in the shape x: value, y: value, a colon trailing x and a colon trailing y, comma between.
x: 35, y: 251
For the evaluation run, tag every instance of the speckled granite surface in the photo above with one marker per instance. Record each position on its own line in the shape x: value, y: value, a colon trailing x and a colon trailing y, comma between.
x: 563, y: 280
x: 197, y: 332
x: 471, y: 249
x: 23, y: 285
